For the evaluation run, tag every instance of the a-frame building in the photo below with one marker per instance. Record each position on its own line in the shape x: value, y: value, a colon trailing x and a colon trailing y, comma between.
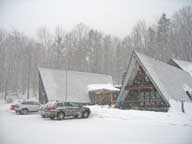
x: 69, y: 86
x: 149, y: 84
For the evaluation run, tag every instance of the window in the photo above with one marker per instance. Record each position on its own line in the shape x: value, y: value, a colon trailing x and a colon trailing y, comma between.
x: 59, y: 104
x: 75, y: 104
x: 67, y: 104
x: 36, y: 103
x: 27, y: 103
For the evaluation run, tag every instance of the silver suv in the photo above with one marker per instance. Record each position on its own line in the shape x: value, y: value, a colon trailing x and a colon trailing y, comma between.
x: 27, y: 106
x: 60, y: 110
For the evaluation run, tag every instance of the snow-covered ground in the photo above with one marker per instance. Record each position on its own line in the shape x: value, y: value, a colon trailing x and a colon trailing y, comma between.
x: 105, y: 125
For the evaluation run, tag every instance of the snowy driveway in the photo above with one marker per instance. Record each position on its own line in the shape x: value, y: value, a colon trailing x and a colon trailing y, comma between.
x: 105, y: 125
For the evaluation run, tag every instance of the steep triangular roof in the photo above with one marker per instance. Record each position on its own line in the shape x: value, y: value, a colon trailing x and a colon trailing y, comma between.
x: 54, y: 82
x: 184, y: 65
x: 168, y: 80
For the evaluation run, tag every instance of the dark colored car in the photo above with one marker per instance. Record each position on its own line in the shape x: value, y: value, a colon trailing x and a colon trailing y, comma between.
x: 60, y: 110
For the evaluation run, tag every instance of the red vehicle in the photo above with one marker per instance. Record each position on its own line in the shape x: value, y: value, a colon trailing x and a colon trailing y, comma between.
x: 12, y: 107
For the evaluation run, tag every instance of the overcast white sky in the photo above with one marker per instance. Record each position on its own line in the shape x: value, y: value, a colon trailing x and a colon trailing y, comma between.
x: 116, y: 17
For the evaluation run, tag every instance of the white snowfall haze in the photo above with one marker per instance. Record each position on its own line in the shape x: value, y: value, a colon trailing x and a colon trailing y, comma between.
x: 112, y: 16
x: 105, y: 125
x: 128, y: 61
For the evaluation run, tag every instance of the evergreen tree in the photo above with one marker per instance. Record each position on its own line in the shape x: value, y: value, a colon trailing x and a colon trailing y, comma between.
x: 162, y: 36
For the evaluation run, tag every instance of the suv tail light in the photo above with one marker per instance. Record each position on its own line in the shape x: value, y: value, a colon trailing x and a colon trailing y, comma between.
x: 52, y: 108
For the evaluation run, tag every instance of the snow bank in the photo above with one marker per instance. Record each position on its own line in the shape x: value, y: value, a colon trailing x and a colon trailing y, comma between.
x: 4, y: 106
x: 176, y: 107
x: 105, y: 125
x: 141, y: 117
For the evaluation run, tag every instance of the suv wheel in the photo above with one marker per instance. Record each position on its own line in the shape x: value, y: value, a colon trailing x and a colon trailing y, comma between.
x: 85, y: 114
x: 24, y: 111
x: 76, y: 116
x: 18, y: 112
x: 60, y: 115
x: 51, y: 117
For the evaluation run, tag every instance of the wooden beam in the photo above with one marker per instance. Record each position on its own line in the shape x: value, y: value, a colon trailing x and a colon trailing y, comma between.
x: 111, y: 96
x: 144, y: 99
x: 134, y: 87
x: 100, y: 99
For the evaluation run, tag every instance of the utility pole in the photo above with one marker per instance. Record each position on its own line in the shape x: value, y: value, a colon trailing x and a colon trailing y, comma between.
x: 182, y: 106
x: 66, y: 86
x: 66, y: 80
x: 29, y: 74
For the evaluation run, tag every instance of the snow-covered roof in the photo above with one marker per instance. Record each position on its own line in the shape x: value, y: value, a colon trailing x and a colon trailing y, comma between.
x: 54, y: 82
x: 118, y: 86
x: 167, y: 79
x: 184, y: 65
x: 94, y: 87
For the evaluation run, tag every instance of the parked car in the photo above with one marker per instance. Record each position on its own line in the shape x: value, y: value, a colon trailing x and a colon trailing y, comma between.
x: 12, y: 106
x: 44, y: 108
x: 60, y: 110
x: 27, y: 106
